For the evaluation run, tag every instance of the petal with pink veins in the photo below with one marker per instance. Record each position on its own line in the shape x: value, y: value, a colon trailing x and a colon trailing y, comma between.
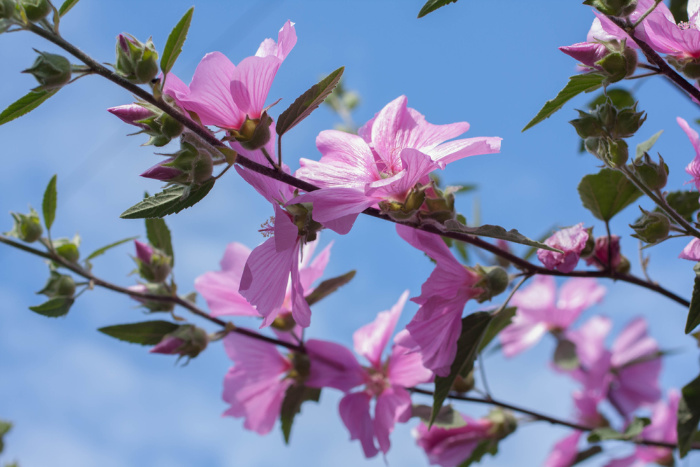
x: 354, y: 411
x: 333, y: 366
x: 371, y: 339
x: 393, y: 405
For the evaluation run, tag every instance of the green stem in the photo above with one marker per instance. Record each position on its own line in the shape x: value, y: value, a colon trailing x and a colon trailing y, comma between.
x: 646, y: 13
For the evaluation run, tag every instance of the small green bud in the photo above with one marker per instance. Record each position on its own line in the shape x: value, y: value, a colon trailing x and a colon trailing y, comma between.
x: 463, y: 384
x: 588, y: 125
x: 169, y: 126
x: 624, y: 266
x: 254, y: 133
x: 619, y: 64
x: 690, y: 67
x: 50, y: 70
x: 628, y: 122
x: 8, y: 9
x: 136, y: 61
x: 68, y: 249
x: 620, y: 8
x: 36, y: 9
x: 504, y: 422
x: 58, y: 285
x: 186, y: 341
x: 652, y: 227
x: 440, y: 204
x: 494, y: 280
x: 653, y: 175
x: 27, y: 226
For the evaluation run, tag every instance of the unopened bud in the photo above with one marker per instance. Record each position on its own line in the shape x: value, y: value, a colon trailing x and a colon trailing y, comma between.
x: 8, y: 9
x: 186, y: 341
x: 652, y: 227
x: 504, y: 422
x: 58, y: 285
x: 254, y: 133
x: 588, y: 125
x: 35, y: 9
x: 67, y: 248
x: 628, y: 122
x: 463, y: 384
x: 136, y: 61
x: 153, y: 289
x: 588, y: 53
x: 153, y: 264
x: 50, y: 70
x: 653, y: 175
x: 620, y: 8
x: 284, y: 322
x: 494, y: 280
x: 133, y: 114
x: 619, y: 64
x: 27, y: 226
x: 690, y: 67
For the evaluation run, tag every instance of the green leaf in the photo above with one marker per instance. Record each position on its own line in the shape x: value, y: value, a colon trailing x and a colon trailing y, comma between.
x: 432, y: 5
x: 684, y: 203
x: 307, y: 102
x: 176, y: 39
x: 565, y: 356
x: 103, y: 250
x: 169, y: 201
x: 54, y: 308
x: 633, y: 430
x: 159, y: 236
x: 48, y: 205
x: 144, y: 333
x: 586, y: 454
x: 447, y: 416
x: 694, y: 309
x: 329, y: 286
x: 465, y: 188
x: 67, y: 5
x: 577, y: 84
x: 495, y: 231
x: 5, y: 427
x: 646, y: 145
x: 688, y: 415
x: 294, y: 397
x: 25, y: 105
x: 498, y: 323
x: 607, y: 193
x: 473, y: 329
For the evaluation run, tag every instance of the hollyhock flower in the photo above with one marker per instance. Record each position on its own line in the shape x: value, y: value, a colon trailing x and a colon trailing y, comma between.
x: 682, y: 40
x: 393, y: 152
x: 333, y: 365
x: 450, y: 447
x: 605, y: 30
x: 538, y: 310
x: 256, y: 384
x: 691, y: 250
x: 599, y: 258
x: 693, y: 169
x: 220, y: 288
x: 436, y: 327
x: 225, y: 95
x: 572, y: 241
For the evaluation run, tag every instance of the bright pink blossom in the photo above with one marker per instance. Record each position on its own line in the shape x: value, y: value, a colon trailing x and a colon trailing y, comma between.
x: 449, y: 447
x: 436, y: 327
x: 680, y: 40
x: 256, y: 384
x: 393, y: 152
x: 332, y: 365
x: 222, y: 94
x: 572, y: 241
x: 539, y: 311
x: 603, y: 29
x: 693, y: 169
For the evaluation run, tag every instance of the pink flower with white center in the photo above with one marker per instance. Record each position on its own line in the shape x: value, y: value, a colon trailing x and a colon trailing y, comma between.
x: 450, y: 447
x: 572, y: 241
x: 682, y: 40
x: 605, y: 30
x: 435, y: 329
x: 256, y: 384
x: 393, y: 152
x: 332, y: 365
x: 220, y: 288
x: 224, y: 95
x: 539, y: 311
x: 693, y: 169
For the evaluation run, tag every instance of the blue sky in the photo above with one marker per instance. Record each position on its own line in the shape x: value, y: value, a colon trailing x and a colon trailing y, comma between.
x: 83, y: 398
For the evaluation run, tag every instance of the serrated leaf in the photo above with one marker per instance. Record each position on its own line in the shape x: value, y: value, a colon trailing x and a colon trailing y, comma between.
x: 143, y: 333
x: 432, y: 5
x: 497, y: 324
x: 607, y: 193
x: 577, y: 84
x: 684, y: 203
x: 496, y: 231
x: 473, y: 328
x: 103, y: 250
x: 694, y: 309
x: 447, y: 417
x: 54, y: 308
x: 307, y: 102
x: 647, y: 145
x: 66, y: 6
x: 176, y: 39
x: 169, y: 201
x: 48, y: 205
x: 294, y: 397
x: 25, y: 104
x: 565, y: 356
x: 329, y: 286
x: 688, y: 415
x: 633, y: 430
x: 159, y: 236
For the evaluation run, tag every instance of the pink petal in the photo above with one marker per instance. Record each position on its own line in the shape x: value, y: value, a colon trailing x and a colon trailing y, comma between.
x: 635, y: 386
x: 336, y: 204
x: 575, y: 296
x: 520, y: 335
x: 417, y: 165
x: 387, y: 131
x: 310, y: 274
x: 461, y: 148
x: 564, y: 452
x: 333, y: 366
x: 691, y: 250
x: 272, y: 190
x: 432, y: 245
x: 405, y: 368
x: 590, y: 340
x: 393, y: 405
x: 371, y: 339
x: 538, y: 297
x: 286, y: 39
x: 633, y: 343
x: 251, y: 82
x: 300, y: 307
x: 220, y: 290
x: 571, y: 241
x: 588, y: 53
x: 354, y: 410
x: 286, y: 232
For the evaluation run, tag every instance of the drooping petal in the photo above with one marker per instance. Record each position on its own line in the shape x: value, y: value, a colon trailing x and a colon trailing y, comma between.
x: 354, y: 411
x: 393, y: 405
x: 633, y: 344
x: 220, y: 290
x: 536, y: 297
x: 693, y: 168
x: 635, y: 386
x: 432, y: 245
x: 301, y: 312
x: 286, y: 39
x: 310, y: 274
x: 404, y: 367
x: 371, y: 339
x: 449, y: 447
x: 333, y: 366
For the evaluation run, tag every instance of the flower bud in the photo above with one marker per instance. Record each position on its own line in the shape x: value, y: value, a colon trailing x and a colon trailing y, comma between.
x: 653, y: 175
x: 571, y: 241
x: 153, y: 289
x: 8, y: 9
x: 67, y: 248
x: 628, y: 122
x: 165, y: 174
x: 494, y: 280
x: 186, y: 341
x: 599, y: 258
x: 504, y: 422
x: 439, y: 205
x: 136, y: 61
x: 36, y: 9
x: 614, y: 152
x: 154, y: 265
x: 463, y: 384
x: 50, y: 70
x: 254, y: 133
x: 284, y: 322
x: 588, y: 125
x: 58, y: 285
x: 132, y: 114
x: 620, y: 8
x: 27, y: 226
x: 690, y: 67
x: 588, y: 53
x: 652, y: 227
x: 302, y: 216
x: 619, y: 64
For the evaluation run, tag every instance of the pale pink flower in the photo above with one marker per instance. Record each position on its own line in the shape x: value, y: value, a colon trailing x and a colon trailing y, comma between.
x: 449, y: 447
x: 224, y: 95
x: 603, y: 29
x: 564, y: 452
x: 599, y: 258
x: 435, y: 329
x: 220, y: 288
x: 332, y: 365
x: 693, y: 169
x: 393, y: 152
x: 540, y: 312
x: 571, y: 240
x: 255, y: 386
x: 691, y: 250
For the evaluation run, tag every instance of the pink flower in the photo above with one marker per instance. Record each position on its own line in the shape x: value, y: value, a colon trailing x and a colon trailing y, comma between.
x: 449, y: 447
x: 599, y: 258
x: 693, y: 169
x: 538, y: 312
x: 691, y: 250
x: 224, y: 95
x: 572, y: 241
x: 605, y: 30
x: 436, y: 327
x: 588, y: 53
x: 393, y: 152
x: 220, y: 288
x: 679, y: 40
x: 333, y: 365
x: 564, y: 452
x: 256, y: 384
